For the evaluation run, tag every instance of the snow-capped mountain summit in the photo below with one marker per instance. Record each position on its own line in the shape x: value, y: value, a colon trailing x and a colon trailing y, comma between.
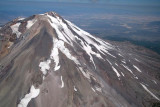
x: 47, y: 61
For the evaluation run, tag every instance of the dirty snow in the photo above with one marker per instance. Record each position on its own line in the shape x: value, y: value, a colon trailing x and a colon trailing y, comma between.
x: 28, y: 97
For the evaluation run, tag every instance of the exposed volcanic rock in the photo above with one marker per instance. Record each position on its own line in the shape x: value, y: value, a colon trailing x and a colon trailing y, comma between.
x: 46, y: 61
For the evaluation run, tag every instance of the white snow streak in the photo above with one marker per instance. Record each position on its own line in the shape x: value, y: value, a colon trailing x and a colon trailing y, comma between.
x: 116, y: 64
x: 120, y: 55
x: 114, y: 69
x: 149, y: 92
x: 124, y: 61
x: 110, y: 54
x: 86, y: 74
x: 136, y: 77
x: 93, y: 89
x: 136, y: 59
x: 137, y: 68
x: 127, y: 68
x: 15, y: 28
x: 109, y: 62
x: 33, y: 94
x: 122, y: 73
x: 154, y: 81
x: 62, y: 82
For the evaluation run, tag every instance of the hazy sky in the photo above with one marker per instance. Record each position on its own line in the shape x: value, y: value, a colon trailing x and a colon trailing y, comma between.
x: 134, y: 2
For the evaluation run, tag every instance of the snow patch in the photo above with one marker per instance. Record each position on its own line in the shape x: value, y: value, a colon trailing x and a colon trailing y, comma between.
x: 21, y: 18
x: 75, y: 88
x: 30, y: 23
x: 15, y: 28
x: 28, y: 97
x: 149, y: 92
x: 98, y: 89
x: 44, y: 66
x: 54, y: 55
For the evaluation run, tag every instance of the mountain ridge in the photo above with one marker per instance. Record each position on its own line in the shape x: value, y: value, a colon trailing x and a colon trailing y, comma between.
x: 66, y: 66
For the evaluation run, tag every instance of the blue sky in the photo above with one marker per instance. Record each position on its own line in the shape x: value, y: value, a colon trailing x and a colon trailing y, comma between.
x: 129, y: 2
